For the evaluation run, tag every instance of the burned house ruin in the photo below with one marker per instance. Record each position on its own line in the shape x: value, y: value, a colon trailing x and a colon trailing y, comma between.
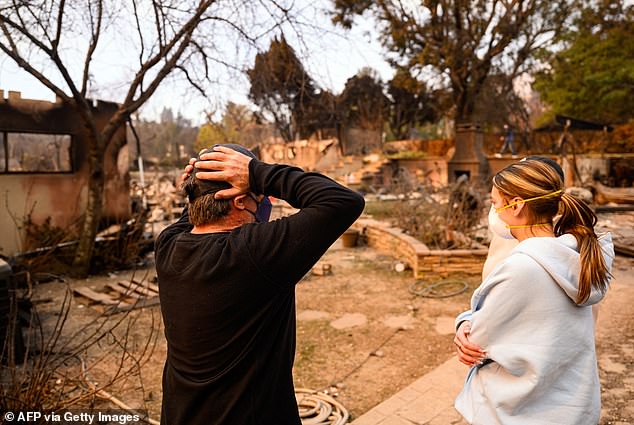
x: 44, y: 169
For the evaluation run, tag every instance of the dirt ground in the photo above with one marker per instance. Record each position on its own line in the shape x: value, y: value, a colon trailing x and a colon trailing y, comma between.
x: 361, y: 334
x: 615, y: 346
x: 362, y: 331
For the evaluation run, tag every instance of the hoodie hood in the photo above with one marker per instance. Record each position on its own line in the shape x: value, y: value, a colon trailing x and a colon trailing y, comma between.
x: 560, y: 258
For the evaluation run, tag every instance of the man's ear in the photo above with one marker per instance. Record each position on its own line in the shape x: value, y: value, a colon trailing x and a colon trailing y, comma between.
x: 239, y: 202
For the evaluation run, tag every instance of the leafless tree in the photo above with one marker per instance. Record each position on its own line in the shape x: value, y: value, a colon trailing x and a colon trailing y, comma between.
x: 169, y: 38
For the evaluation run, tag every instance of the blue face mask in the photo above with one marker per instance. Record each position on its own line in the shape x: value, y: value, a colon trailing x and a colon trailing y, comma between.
x: 263, y: 211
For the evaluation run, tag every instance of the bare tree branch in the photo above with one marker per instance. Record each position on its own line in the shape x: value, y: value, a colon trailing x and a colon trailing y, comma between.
x: 60, y: 20
x: 139, y: 31
x: 203, y: 55
x: 22, y: 63
x: 189, y: 79
x: 94, y: 39
x: 22, y: 29
x: 160, y: 27
x: 37, y: 20
x: 185, y: 33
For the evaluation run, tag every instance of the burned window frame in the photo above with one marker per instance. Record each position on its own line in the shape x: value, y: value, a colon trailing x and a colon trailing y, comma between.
x: 5, y: 145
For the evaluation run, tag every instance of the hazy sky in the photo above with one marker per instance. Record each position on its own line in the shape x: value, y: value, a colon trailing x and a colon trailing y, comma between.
x: 330, y: 55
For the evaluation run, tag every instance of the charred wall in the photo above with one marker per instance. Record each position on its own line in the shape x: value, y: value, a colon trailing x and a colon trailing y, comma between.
x: 55, y: 192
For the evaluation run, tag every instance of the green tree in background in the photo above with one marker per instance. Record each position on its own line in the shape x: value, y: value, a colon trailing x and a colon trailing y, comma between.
x: 208, y: 135
x: 411, y: 104
x: 499, y: 104
x: 592, y: 78
x: 362, y: 102
x: 461, y: 42
x: 230, y: 129
x: 281, y: 88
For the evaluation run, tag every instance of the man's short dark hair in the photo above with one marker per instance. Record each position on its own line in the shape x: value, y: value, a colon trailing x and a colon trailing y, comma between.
x: 206, y: 209
x: 203, y: 207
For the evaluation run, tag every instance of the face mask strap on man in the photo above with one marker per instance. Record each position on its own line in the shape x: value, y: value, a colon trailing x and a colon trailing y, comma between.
x: 262, y: 212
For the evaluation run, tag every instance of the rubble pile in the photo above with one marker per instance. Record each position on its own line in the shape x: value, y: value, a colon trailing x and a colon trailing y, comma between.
x: 621, y: 225
x: 159, y: 195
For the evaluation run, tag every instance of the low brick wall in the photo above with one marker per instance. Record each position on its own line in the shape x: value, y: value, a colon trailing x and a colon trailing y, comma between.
x: 422, y: 260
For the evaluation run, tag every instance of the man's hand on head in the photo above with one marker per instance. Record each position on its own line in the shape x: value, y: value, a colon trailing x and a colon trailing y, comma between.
x: 225, y: 164
x: 189, y: 168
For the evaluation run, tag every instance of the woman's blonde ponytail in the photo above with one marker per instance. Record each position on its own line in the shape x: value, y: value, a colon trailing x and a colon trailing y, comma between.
x: 578, y: 219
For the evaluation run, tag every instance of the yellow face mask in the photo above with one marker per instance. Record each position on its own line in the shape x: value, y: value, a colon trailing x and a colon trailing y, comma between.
x: 548, y: 195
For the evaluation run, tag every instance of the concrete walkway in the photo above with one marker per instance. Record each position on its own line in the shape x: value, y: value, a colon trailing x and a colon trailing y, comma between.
x: 429, y: 400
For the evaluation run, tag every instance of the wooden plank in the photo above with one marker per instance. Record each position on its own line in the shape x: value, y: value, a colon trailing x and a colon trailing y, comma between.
x: 618, y: 195
x: 123, y: 290
x: 623, y: 249
x: 142, y: 303
x: 97, y: 296
x: 140, y: 288
x: 149, y: 285
x: 152, y: 286
x: 145, y: 284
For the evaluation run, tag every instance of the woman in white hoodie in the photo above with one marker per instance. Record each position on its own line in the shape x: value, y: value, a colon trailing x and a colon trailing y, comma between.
x: 532, y: 314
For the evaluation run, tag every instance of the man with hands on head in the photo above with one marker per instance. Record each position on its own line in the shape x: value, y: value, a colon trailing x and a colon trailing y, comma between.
x: 227, y: 281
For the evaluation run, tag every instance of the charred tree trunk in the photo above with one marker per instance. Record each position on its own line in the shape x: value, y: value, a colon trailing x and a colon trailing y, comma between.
x: 93, y: 212
x: 94, y: 207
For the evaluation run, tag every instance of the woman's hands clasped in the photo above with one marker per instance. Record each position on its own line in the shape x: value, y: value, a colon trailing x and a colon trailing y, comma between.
x: 468, y: 352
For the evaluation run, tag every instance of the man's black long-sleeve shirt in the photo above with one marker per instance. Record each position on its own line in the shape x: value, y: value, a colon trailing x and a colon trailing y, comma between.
x: 228, y: 302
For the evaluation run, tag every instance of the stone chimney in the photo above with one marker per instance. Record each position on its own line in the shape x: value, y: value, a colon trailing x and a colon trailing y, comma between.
x: 468, y: 158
